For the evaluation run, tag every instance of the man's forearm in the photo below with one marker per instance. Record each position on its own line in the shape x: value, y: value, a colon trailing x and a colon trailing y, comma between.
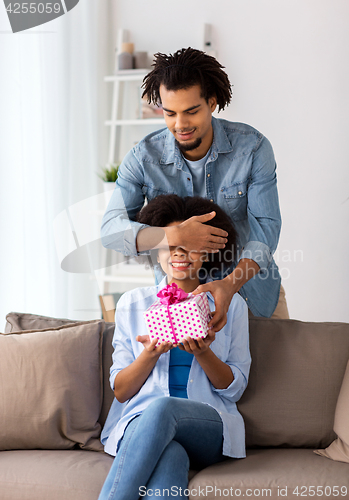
x: 244, y: 271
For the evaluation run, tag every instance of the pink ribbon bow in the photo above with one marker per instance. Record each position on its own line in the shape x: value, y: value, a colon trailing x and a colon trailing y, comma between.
x: 172, y: 294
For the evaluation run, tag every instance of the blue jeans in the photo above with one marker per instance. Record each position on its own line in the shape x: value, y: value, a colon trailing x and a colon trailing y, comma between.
x: 159, y: 445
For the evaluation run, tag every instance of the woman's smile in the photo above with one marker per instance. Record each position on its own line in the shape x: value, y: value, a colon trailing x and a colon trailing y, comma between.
x: 180, y: 264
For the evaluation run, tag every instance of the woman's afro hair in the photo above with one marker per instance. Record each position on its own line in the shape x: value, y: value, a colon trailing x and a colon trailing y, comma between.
x: 168, y: 208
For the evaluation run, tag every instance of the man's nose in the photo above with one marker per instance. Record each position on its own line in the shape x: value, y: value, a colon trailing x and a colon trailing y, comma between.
x: 181, y: 122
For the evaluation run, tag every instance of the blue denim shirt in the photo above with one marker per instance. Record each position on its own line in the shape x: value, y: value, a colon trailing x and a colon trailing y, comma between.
x: 231, y: 345
x: 240, y: 177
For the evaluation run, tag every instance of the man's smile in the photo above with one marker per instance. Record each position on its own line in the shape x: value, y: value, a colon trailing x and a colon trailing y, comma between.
x: 185, y: 135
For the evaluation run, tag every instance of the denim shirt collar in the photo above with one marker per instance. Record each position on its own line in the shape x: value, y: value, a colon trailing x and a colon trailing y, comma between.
x: 220, y: 144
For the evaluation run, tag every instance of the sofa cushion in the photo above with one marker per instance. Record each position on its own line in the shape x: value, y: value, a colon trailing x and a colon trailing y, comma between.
x: 296, y: 374
x: 339, y: 449
x: 266, y: 474
x: 24, y: 321
x: 52, y: 474
x: 51, y: 387
x: 17, y: 322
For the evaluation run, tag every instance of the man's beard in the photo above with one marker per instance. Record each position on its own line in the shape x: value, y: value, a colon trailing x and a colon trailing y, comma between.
x: 190, y: 146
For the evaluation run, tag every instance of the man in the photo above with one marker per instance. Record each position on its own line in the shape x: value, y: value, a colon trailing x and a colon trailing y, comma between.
x: 230, y: 163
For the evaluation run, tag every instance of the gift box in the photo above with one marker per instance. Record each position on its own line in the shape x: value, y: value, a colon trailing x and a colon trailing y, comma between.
x: 177, y: 314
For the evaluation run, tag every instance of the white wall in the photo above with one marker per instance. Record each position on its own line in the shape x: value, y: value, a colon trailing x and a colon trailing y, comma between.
x: 53, y: 104
x: 288, y: 62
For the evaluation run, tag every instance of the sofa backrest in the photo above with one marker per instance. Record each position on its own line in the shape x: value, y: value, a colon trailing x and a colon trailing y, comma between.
x: 107, y: 351
x: 296, y: 374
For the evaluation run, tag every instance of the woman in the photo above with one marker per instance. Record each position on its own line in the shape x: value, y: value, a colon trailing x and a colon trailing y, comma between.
x: 175, y: 405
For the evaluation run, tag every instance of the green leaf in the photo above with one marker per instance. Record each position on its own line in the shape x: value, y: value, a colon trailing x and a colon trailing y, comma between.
x: 110, y: 173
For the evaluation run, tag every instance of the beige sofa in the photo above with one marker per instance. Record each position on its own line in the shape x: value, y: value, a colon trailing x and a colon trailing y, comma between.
x: 296, y: 375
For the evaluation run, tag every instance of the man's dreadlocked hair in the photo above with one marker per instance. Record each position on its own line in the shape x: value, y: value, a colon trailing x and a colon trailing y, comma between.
x: 184, y: 69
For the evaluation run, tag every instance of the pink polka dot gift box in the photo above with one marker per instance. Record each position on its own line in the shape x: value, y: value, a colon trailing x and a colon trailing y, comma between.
x: 177, y: 314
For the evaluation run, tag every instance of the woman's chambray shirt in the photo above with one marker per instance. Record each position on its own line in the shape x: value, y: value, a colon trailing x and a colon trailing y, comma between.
x: 231, y: 345
x: 240, y: 174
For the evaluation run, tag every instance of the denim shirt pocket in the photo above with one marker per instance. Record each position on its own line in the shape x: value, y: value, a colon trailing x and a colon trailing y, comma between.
x: 235, y: 197
x: 151, y: 192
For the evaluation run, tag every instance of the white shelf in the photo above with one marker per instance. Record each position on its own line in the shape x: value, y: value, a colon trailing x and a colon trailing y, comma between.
x: 137, y: 121
x: 124, y: 274
x: 145, y: 280
x: 127, y: 273
x: 127, y: 75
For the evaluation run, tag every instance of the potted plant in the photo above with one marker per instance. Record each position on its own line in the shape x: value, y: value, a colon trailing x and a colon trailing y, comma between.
x: 109, y: 175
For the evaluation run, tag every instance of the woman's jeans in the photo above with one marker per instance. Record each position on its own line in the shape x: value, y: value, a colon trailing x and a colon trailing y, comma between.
x: 158, y: 446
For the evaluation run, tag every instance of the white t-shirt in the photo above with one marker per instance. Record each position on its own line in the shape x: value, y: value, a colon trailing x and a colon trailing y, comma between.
x: 197, y: 170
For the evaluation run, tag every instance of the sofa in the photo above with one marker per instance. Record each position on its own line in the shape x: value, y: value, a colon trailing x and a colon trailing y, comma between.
x: 55, y: 396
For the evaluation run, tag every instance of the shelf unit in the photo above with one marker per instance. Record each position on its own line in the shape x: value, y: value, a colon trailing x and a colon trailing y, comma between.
x: 119, y: 80
x: 123, y: 272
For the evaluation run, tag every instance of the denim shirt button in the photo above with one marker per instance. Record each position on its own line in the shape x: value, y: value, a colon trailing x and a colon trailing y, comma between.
x: 208, y: 175
x: 211, y: 201
x: 240, y: 193
x: 188, y: 178
x: 246, y: 298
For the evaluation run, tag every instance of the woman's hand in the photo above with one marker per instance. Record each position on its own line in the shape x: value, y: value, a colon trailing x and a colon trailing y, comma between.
x: 150, y: 345
x: 197, y: 346
x: 218, y: 372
